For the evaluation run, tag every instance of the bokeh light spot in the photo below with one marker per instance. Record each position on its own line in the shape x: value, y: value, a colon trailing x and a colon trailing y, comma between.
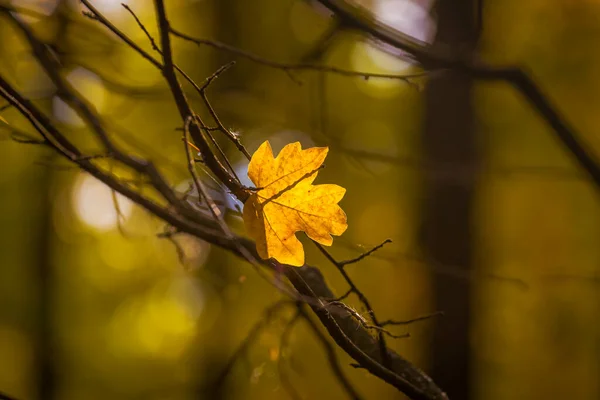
x: 409, y: 17
x: 162, y: 324
x: 366, y: 57
x: 89, y: 86
x: 94, y: 204
x: 41, y: 7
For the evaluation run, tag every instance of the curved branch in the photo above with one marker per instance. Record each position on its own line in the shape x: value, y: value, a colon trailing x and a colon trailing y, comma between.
x: 288, y: 67
x: 358, y: 342
x: 356, y: 17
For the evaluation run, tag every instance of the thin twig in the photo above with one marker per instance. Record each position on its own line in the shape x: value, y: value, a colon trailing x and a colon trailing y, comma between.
x: 202, y: 191
x: 363, y: 299
x: 286, y: 67
x: 365, y: 254
x: 410, y: 321
x: 170, y: 236
x: 454, y: 271
x: 219, y: 149
x: 97, y: 15
x: 184, y: 107
x: 452, y: 172
x: 142, y: 27
x: 120, y: 215
x: 345, y: 295
x: 21, y: 137
x: 362, y: 321
x: 230, y: 135
x: 202, y: 91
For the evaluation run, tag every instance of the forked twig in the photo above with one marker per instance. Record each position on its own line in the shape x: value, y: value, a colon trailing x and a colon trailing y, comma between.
x: 363, y: 299
x: 202, y: 91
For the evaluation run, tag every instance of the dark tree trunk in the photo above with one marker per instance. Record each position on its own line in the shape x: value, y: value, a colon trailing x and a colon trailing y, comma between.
x: 47, y: 371
x: 45, y: 363
x: 452, y: 159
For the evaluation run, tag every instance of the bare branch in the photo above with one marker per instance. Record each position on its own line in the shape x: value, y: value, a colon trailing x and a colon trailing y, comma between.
x: 287, y: 67
x: 359, y: 343
x: 87, y: 113
x: 356, y: 17
x: 362, y: 320
x: 142, y: 27
x: 365, y: 254
x: 184, y: 108
x: 230, y: 135
x: 100, y: 18
x: 363, y: 299
x: 62, y: 145
x: 169, y: 235
x: 458, y: 174
x: 410, y: 321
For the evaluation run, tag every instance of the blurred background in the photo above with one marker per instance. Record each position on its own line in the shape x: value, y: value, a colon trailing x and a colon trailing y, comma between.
x: 492, y: 221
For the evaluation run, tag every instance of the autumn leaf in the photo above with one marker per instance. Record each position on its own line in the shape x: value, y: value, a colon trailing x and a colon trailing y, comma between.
x: 287, y: 202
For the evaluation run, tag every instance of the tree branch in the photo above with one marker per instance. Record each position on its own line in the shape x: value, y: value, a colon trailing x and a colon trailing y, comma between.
x: 287, y: 67
x: 356, y: 17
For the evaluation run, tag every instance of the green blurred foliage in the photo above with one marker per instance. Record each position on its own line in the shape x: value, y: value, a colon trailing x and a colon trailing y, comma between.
x: 129, y: 319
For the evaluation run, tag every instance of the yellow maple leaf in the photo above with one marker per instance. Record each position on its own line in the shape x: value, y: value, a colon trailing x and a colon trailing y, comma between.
x: 287, y: 202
